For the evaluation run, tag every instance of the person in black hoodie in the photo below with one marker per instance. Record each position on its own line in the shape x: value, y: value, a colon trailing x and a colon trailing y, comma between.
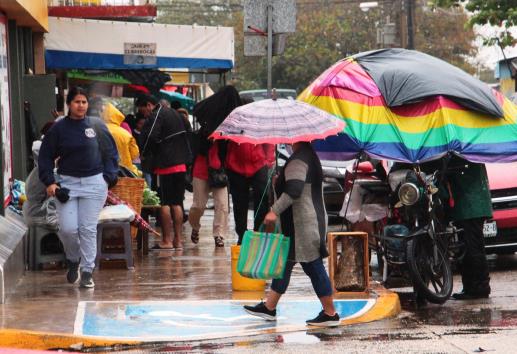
x: 87, y: 162
x: 164, y: 136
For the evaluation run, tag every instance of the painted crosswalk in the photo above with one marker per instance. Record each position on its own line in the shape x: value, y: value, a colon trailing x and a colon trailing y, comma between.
x: 187, y: 320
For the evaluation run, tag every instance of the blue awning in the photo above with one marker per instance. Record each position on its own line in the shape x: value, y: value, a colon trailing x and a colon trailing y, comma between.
x: 91, y: 44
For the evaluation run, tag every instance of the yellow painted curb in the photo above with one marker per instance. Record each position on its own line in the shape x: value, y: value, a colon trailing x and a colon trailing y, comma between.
x: 22, y: 339
x: 386, y: 306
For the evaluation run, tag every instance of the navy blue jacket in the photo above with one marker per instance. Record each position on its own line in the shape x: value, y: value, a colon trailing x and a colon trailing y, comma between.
x: 76, y: 144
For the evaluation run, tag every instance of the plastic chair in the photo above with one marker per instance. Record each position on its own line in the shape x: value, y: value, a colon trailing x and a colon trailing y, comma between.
x: 39, y: 236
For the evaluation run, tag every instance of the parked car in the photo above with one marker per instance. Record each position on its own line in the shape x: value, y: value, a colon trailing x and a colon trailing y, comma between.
x: 501, y: 232
x: 334, y: 173
x: 258, y: 95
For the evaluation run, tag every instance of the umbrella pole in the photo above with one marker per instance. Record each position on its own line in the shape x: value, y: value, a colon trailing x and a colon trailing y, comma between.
x: 276, y: 158
x: 272, y: 195
x: 354, y: 176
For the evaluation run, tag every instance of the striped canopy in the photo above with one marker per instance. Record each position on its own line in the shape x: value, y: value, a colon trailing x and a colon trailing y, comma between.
x: 414, y: 132
x: 277, y: 121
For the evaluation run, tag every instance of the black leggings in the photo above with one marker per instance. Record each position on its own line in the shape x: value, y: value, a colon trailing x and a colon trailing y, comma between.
x: 239, y: 189
x: 474, y: 266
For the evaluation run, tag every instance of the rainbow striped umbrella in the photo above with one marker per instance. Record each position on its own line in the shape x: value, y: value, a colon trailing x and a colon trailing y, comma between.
x: 426, y: 128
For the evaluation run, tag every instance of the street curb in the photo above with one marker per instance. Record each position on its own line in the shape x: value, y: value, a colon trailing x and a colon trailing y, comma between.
x: 387, y: 305
x: 23, y: 339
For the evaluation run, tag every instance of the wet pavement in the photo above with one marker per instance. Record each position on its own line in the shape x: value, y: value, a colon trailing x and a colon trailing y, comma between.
x: 43, y: 301
x: 488, y: 325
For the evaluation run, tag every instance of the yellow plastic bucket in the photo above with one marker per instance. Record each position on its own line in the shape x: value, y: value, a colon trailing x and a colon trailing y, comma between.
x: 242, y: 283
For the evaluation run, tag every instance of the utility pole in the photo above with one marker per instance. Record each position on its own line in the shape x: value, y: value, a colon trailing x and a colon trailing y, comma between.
x: 410, y: 11
x: 269, y: 50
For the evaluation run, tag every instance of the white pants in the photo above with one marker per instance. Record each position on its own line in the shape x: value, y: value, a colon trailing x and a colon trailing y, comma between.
x: 78, y: 218
x: 221, y: 211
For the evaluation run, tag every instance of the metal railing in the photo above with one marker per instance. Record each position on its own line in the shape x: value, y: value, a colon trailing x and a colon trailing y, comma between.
x: 100, y: 2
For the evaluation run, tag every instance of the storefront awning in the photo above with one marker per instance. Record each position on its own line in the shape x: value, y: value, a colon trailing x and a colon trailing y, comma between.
x: 91, y: 44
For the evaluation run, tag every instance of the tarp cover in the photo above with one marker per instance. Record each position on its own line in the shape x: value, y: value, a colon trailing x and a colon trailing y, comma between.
x: 92, y: 44
x: 407, y: 76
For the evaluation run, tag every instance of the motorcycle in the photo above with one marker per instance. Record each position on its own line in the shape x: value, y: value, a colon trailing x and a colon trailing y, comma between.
x: 416, y: 237
x: 413, y: 241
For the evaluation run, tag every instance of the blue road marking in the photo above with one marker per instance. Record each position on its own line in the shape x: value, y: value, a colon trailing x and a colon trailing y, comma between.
x: 182, y: 320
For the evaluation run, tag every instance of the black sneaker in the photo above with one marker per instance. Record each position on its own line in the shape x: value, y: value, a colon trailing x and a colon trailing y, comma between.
x: 72, y: 276
x: 324, y: 320
x: 262, y: 311
x: 86, y: 280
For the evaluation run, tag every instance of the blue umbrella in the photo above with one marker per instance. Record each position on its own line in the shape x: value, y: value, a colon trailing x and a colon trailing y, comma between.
x: 185, y: 101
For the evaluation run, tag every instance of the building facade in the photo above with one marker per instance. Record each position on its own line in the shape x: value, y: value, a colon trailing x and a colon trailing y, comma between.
x: 506, y: 73
x: 22, y: 24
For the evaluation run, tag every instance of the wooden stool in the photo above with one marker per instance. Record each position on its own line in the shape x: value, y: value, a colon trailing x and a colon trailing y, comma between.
x: 127, y: 255
x: 143, y: 235
x: 332, y: 239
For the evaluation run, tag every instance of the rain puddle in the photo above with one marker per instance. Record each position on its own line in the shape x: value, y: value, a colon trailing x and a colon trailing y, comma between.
x: 476, y: 317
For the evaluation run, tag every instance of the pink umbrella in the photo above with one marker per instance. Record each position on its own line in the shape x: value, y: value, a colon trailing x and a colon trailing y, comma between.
x: 138, y: 221
x: 277, y: 121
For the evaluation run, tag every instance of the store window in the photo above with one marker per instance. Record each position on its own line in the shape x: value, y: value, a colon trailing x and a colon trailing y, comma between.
x: 5, y: 113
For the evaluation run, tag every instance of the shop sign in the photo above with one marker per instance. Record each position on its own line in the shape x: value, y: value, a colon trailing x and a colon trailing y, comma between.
x: 139, y: 53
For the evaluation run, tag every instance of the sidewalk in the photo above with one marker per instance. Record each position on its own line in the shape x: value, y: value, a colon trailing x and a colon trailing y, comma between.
x: 169, y: 296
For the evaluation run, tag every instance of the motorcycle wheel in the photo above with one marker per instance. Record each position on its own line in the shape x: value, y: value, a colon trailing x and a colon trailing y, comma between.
x: 434, y: 282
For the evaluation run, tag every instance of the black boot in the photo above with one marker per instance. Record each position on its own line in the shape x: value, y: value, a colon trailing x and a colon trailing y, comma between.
x: 463, y: 295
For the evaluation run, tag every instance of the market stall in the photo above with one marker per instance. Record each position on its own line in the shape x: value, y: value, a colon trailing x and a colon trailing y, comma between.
x: 116, y: 57
x: 107, y: 45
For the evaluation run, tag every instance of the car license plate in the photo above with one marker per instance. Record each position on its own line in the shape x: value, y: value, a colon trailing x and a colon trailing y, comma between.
x: 490, y: 229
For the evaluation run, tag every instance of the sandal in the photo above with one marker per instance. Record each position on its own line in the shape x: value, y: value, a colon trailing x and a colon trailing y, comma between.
x: 219, y: 241
x: 157, y: 247
x: 194, y: 236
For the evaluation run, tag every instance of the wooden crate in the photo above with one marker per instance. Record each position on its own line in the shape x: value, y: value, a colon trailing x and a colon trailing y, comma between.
x: 332, y: 240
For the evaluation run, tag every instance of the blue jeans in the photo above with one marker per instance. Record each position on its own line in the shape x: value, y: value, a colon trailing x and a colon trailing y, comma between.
x: 148, y: 179
x: 316, y: 272
x: 78, y: 218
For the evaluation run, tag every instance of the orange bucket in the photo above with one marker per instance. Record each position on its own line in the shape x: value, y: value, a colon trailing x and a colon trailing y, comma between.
x: 239, y: 282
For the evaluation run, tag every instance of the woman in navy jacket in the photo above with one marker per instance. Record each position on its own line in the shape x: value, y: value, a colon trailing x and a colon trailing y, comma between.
x: 87, y: 164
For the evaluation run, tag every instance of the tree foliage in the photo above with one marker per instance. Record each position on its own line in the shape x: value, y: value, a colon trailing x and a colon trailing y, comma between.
x: 321, y: 39
x: 501, y: 13
x: 197, y: 12
x: 443, y: 35
x: 324, y: 35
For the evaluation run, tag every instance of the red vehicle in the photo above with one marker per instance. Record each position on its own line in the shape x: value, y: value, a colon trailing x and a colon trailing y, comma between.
x: 501, y: 232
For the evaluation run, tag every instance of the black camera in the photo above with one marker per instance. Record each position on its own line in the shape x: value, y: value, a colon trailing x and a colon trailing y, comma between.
x: 62, y: 194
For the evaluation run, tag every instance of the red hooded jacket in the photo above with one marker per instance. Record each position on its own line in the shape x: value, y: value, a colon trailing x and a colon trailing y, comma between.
x: 246, y: 159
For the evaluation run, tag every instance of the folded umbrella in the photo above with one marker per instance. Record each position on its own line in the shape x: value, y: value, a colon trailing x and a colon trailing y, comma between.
x: 138, y: 221
x: 211, y: 111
